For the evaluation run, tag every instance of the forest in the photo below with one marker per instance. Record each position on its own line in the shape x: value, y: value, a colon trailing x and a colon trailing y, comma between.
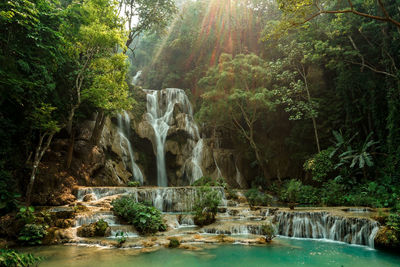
x: 305, y: 92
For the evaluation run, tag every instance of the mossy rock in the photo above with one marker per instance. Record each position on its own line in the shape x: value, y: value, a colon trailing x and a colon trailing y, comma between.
x: 99, y: 228
x: 173, y: 243
x: 387, y: 238
x: 205, y: 218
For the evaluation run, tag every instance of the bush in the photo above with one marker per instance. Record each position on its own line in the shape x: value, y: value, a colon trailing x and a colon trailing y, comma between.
x: 291, y: 191
x: 121, y: 238
x: 208, y: 181
x: 333, y: 194
x: 309, y: 195
x: 268, y: 231
x: 173, y: 243
x: 231, y: 194
x: 320, y: 165
x: 26, y: 215
x: 206, y: 206
x: 12, y: 258
x: 133, y: 184
x: 145, y: 218
x: 257, y: 198
x: 32, y: 234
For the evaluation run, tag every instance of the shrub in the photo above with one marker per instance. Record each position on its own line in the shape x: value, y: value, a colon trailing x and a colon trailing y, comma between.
x: 257, y: 198
x: 206, y: 206
x: 145, y: 218
x: 133, y: 184
x: 333, y: 194
x: 208, y: 181
x: 121, y: 238
x: 12, y: 258
x: 32, y: 234
x: 173, y: 243
x: 26, y: 215
x: 320, y: 165
x: 309, y: 195
x: 291, y: 191
x: 231, y: 194
x: 268, y: 231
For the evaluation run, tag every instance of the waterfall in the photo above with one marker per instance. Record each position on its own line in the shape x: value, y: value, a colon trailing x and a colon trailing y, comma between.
x: 124, y: 133
x: 196, y: 161
x: 136, y: 77
x: 323, y: 225
x: 160, y: 109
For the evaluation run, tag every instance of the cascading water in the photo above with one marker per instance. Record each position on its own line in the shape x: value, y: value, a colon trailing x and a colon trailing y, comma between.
x: 160, y: 109
x: 360, y: 231
x: 136, y: 77
x: 124, y: 133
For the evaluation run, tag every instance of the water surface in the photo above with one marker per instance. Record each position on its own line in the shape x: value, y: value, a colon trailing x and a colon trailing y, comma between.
x: 283, y: 252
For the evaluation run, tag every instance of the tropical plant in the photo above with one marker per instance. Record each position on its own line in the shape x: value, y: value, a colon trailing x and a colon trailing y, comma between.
x: 32, y: 234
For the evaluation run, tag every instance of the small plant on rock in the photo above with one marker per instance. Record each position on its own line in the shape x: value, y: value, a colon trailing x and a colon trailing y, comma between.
x: 133, y: 184
x: 173, y: 243
x: 121, y: 238
x: 206, y: 206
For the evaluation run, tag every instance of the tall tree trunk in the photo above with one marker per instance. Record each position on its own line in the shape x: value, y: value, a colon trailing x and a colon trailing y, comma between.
x: 98, y: 128
x: 39, y: 152
x: 303, y: 73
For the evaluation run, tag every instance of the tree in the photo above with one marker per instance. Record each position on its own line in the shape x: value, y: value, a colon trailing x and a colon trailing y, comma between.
x: 298, y: 12
x: 291, y: 82
x: 239, y: 85
x: 145, y: 15
x: 108, y: 92
x: 42, y: 121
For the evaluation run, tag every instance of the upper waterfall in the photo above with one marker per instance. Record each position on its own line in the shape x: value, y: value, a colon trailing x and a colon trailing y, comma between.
x: 160, y: 115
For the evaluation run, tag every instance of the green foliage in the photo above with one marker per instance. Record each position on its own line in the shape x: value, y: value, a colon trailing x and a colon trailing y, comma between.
x: 268, y: 231
x: 257, y: 198
x: 26, y: 215
x: 101, y: 227
x: 32, y: 234
x: 121, y: 238
x: 206, y: 205
x: 208, y: 181
x: 8, y: 196
x: 173, y: 243
x: 320, y: 165
x: 133, y: 184
x: 145, y: 218
x: 231, y: 194
x: 291, y: 191
x: 12, y: 258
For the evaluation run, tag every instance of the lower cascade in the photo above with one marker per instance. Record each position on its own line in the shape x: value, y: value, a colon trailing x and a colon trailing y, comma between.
x: 318, y: 225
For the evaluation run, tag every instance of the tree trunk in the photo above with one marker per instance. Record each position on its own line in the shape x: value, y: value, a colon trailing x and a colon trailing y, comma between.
x: 303, y: 73
x: 40, y: 150
x: 98, y: 128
